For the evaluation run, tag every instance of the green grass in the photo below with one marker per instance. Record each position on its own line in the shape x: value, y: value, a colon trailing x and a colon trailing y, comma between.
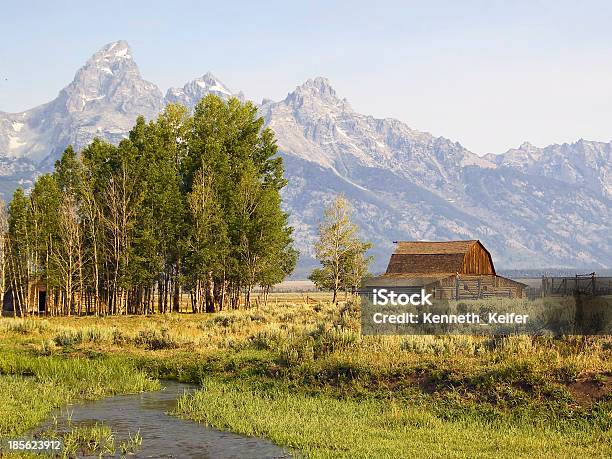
x: 321, y: 426
x: 93, y: 440
x: 32, y: 386
x: 96, y: 440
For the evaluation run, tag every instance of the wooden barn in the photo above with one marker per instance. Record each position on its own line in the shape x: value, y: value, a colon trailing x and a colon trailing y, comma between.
x: 448, y: 270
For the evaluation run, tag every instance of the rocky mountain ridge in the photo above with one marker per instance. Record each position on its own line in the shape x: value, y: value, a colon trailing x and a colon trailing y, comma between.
x: 530, y: 206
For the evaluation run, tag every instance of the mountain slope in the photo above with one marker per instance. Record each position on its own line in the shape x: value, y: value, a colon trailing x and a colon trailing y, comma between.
x: 316, y: 125
x: 407, y: 184
x: 530, y: 206
x: 103, y: 100
x: 583, y: 163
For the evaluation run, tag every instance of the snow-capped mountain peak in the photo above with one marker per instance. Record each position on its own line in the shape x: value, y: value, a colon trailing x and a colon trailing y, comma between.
x: 193, y: 91
x: 113, y: 51
x: 112, y: 77
x: 316, y: 93
x: 103, y: 100
x: 213, y: 84
x: 315, y: 124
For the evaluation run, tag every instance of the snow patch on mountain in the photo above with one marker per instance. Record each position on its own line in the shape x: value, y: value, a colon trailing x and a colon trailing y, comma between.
x: 190, y: 94
x: 531, y: 206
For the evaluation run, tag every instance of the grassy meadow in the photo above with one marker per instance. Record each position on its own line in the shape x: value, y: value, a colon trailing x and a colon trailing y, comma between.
x: 297, y: 371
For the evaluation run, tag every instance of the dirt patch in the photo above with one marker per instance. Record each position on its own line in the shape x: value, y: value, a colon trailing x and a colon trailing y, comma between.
x: 587, y: 390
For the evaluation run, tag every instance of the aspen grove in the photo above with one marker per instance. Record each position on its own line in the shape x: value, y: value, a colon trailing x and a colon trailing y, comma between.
x: 188, y: 206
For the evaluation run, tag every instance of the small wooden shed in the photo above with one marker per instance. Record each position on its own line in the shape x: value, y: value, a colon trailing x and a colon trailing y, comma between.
x: 449, y: 270
x: 37, y: 300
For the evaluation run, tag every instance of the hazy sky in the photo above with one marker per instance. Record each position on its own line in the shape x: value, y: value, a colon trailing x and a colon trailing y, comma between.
x: 487, y: 74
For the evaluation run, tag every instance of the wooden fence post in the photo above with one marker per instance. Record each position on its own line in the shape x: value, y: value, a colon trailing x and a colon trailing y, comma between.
x: 457, y: 287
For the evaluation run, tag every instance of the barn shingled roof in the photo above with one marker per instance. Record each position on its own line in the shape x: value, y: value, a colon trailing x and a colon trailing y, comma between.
x: 424, y: 248
x: 428, y: 257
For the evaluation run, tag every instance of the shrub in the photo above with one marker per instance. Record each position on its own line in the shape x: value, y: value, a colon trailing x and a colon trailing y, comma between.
x: 155, y: 340
x: 266, y: 339
x: 47, y: 347
x: 297, y: 350
x: 96, y: 334
x: 257, y: 317
x: 224, y: 320
x: 350, y: 316
x: 442, y: 345
x: 119, y: 337
x: 328, y: 340
x: 69, y: 338
x: 568, y: 372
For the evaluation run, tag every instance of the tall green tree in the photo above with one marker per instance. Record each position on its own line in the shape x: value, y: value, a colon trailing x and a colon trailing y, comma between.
x: 186, y: 203
x: 166, y: 198
x: 45, y: 233
x: 20, y: 250
x: 240, y: 157
x: 208, y: 242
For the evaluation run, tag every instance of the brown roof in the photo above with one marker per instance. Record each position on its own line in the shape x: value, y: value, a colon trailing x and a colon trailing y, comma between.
x: 429, y: 257
x: 421, y: 263
x: 418, y: 247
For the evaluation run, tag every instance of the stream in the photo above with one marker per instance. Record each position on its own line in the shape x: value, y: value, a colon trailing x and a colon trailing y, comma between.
x: 165, y: 436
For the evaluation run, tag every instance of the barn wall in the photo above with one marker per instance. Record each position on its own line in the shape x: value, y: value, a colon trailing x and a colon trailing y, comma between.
x: 478, y: 286
x: 425, y: 263
x: 489, y: 286
x: 518, y: 289
x: 463, y: 287
x: 477, y: 261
